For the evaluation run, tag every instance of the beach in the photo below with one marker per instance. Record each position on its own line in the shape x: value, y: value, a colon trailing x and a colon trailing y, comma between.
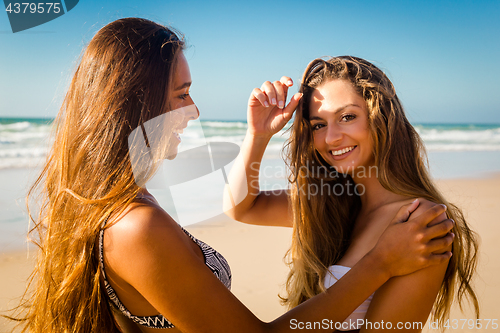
x: 255, y: 255
x: 464, y: 159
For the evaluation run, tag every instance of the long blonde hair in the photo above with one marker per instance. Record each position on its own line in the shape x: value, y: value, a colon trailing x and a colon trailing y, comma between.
x: 323, y: 222
x: 123, y: 80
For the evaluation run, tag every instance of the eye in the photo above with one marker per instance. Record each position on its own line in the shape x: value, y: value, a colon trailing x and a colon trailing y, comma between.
x: 348, y: 117
x: 316, y: 127
x: 184, y: 96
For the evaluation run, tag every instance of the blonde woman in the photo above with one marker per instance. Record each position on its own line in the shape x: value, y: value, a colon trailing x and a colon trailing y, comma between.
x: 354, y: 160
x: 110, y: 258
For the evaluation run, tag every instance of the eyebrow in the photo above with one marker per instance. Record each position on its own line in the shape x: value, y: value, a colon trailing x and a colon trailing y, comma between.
x: 185, y: 85
x: 335, y: 112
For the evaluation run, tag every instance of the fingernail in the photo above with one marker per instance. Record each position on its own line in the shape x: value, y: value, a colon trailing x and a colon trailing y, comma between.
x: 452, y: 234
x: 281, y: 104
x: 415, y: 200
x: 452, y: 221
x: 266, y: 104
x: 445, y: 208
x: 290, y: 82
x: 273, y: 101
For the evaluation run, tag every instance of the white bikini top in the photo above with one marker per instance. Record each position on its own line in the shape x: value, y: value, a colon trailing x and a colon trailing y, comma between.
x: 351, y: 322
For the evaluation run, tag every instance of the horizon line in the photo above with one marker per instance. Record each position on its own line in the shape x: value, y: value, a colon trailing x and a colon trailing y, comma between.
x: 244, y: 121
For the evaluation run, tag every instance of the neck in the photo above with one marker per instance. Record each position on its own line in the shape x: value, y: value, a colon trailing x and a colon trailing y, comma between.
x: 144, y: 192
x: 372, y: 193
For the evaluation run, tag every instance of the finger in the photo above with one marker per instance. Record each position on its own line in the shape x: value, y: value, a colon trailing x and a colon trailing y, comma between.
x: 437, y: 259
x: 441, y: 245
x: 270, y: 91
x: 404, y: 212
x: 437, y: 220
x: 260, y: 96
x: 286, y: 81
x: 413, y: 206
x: 438, y: 230
x: 294, y: 102
x: 280, y: 93
x: 426, y: 217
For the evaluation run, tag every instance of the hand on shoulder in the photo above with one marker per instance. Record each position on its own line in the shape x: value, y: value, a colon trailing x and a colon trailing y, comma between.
x: 425, y: 205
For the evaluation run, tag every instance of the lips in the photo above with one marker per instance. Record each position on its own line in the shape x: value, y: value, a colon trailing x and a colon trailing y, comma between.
x: 177, y: 133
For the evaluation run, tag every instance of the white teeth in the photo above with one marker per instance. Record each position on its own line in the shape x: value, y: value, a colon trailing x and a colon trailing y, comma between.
x: 342, y: 151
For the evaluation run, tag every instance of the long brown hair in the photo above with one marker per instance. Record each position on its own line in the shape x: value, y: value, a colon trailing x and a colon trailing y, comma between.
x: 123, y: 80
x: 323, y: 222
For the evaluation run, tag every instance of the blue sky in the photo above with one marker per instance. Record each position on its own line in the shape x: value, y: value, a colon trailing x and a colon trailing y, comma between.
x: 442, y: 56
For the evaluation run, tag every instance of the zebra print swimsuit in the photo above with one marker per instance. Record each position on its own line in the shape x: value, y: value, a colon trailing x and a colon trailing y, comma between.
x: 213, y: 259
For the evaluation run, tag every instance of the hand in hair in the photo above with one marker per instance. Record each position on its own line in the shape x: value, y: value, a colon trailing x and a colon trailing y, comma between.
x: 267, y: 109
x: 407, y: 246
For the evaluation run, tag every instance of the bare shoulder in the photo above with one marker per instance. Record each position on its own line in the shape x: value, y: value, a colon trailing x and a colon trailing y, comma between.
x: 140, y: 237
x: 425, y: 205
x: 139, y: 222
x: 392, y: 208
x: 380, y: 218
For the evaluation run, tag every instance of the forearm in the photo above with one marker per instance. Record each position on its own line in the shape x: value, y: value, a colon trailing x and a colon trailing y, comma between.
x: 243, y: 181
x: 341, y: 299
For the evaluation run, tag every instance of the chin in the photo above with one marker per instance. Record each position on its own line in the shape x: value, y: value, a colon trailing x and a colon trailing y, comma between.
x: 172, y: 152
x: 346, y: 168
x: 171, y: 155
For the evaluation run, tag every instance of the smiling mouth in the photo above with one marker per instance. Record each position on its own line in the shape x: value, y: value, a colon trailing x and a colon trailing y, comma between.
x: 341, y: 152
x: 177, y: 136
x: 178, y: 131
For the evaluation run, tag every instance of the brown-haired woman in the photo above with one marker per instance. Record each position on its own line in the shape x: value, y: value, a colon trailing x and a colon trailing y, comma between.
x: 111, y: 259
x: 354, y: 160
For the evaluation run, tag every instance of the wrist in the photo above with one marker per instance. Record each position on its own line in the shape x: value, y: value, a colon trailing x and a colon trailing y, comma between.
x: 379, y: 267
x: 259, y: 137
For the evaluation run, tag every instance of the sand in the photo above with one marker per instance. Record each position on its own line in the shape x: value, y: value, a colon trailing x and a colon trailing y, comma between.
x: 256, y: 256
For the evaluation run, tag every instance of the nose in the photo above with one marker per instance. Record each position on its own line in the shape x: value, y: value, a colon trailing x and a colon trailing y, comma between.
x: 333, y: 135
x: 192, y: 113
x: 197, y: 112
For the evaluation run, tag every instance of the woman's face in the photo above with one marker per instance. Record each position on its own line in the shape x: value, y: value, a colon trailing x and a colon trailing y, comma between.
x: 182, y: 104
x: 339, y: 118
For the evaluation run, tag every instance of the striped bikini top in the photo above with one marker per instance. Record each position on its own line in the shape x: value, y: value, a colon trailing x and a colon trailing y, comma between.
x: 213, y: 260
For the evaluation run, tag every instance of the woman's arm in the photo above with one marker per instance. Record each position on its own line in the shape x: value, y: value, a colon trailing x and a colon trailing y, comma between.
x: 408, y: 299
x: 258, y: 207
x: 149, y: 252
x: 243, y: 200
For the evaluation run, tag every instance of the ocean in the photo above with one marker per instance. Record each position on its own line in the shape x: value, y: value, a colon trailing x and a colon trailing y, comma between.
x: 24, y: 141
x: 454, y: 151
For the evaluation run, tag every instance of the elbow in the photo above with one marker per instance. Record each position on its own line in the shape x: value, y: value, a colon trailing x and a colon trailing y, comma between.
x: 236, y: 204
x: 234, y: 213
x: 228, y: 206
